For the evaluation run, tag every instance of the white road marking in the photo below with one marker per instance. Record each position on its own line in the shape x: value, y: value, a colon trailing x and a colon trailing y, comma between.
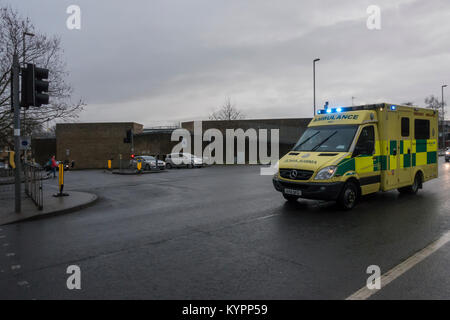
x: 6, y: 244
x: 267, y: 217
x: 23, y: 283
x: 2, y: 237
x: 364, y: 293
x: 10, y: 254
x: 15, y: 267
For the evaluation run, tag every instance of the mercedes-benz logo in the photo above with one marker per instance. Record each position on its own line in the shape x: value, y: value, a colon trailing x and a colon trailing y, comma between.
x: 293, y: 174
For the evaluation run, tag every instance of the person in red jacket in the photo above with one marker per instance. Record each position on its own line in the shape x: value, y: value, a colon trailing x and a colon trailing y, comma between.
x: 53, y: 165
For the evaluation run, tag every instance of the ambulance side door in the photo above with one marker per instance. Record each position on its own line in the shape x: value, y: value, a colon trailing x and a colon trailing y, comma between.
x: 404, y: 157
x: 366, y: 155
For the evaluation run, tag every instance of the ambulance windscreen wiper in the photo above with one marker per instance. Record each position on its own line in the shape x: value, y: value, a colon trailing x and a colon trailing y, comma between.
x: 306, y: 140
x: 323, y: 141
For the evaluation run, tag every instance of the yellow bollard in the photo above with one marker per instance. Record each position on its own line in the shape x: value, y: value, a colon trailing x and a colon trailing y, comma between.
x: 12, y: 164
x: 61, y: 177
x: 61, y: 182
x: 109, y: 164
x: 139, y: 165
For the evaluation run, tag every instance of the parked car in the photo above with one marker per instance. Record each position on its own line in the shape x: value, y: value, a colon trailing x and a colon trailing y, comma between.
x: 148, y: 162
x: 183, y: 160
x: 447, y: 155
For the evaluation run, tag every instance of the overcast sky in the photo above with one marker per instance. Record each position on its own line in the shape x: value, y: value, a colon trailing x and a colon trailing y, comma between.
x: 158, y: 62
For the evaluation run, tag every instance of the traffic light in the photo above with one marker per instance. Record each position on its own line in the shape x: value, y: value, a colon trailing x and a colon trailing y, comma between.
x: 132, y: 156
x: 128, y: 137
x: 34, y: 87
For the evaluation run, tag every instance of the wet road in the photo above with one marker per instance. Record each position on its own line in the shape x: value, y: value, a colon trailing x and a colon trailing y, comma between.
x: 224, y: 233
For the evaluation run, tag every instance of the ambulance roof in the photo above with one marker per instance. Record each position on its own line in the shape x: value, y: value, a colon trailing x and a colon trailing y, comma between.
x: 356, y: 114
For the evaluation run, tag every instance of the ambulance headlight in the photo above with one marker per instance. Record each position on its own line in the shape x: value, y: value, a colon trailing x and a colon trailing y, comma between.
x: 326, y: 173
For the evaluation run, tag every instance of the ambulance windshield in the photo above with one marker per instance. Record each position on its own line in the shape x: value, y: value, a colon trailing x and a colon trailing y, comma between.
x: 327, y: 138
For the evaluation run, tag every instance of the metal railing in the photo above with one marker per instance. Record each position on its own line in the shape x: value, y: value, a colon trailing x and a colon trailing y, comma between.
x: 4, y: 173
x: 33, y: 183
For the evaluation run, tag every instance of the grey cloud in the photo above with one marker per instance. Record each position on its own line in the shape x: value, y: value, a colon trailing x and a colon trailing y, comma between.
x: 168, y: 60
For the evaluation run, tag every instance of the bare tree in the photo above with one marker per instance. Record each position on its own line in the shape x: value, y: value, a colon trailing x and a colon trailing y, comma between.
x: 45, y: 51
x: 433, y: 103
x: 227, y: 112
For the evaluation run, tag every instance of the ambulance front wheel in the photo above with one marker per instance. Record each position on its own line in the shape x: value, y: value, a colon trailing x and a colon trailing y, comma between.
x: 349, y: 195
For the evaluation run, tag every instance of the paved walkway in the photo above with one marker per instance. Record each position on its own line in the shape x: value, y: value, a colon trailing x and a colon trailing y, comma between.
x: 52, y: 205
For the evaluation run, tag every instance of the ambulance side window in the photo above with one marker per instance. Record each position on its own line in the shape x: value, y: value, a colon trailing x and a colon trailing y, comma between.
x: 366, y: 142
x: 421, y: 129
x: 405, y: 127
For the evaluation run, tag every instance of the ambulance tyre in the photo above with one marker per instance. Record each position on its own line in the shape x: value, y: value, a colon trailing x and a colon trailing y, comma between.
x: 412, y: 189
x: 290, y: 198
x: 349, y: 195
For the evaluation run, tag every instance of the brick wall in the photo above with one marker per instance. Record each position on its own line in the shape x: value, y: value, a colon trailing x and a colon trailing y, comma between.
x: 90, y: 145
x: 43, y: 149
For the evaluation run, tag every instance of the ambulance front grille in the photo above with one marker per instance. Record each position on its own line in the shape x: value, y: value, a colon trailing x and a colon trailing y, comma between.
x: 296, y: 174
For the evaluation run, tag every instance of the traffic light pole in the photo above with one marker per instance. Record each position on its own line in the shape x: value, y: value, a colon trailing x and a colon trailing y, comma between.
x: 16, y: 107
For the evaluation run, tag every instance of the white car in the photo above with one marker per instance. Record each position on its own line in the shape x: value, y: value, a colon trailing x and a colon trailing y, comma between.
x: 183, y: 160
x: 447, y: 155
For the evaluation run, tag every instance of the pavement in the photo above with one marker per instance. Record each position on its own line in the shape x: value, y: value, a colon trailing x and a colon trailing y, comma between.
x: 51, y: 205
x: 223, y: 232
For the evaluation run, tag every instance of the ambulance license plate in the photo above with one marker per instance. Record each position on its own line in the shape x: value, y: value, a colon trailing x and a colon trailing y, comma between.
x: 293, y: 192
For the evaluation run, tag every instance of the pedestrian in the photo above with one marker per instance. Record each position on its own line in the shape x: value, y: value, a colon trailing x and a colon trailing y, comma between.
x: 54, y: 165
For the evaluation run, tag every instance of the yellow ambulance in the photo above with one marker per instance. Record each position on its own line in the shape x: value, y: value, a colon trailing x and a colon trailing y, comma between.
x: 347, y: 152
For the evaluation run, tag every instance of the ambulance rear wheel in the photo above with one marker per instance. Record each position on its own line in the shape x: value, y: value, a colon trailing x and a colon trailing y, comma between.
x: 412, y: 189
x: 349, y: 195
x: 290, y: 198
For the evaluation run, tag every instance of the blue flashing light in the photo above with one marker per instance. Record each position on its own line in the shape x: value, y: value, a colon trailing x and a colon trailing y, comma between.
x: 328, y: 110
x: 339, y: 109
x: 319, y: 111
x: 393, y: 108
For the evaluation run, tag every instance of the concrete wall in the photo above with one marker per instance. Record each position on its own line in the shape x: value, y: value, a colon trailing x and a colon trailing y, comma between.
x: 290, y: 130
x: 90, y: 145
x: 154, y: 143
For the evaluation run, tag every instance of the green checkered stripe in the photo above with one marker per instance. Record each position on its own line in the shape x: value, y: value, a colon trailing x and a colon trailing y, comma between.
x: 348, y: 164
x: 380, y: 163
x: 410, y: 159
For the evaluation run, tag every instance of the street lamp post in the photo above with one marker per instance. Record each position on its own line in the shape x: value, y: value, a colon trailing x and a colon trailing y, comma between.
x: 443, y: 116
x: 314, y: 83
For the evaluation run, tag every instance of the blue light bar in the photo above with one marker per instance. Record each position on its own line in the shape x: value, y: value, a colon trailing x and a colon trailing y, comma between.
x: 393, y: 108
x: 339, y: 109
x: 319, y: 111
x: 328, y: 110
